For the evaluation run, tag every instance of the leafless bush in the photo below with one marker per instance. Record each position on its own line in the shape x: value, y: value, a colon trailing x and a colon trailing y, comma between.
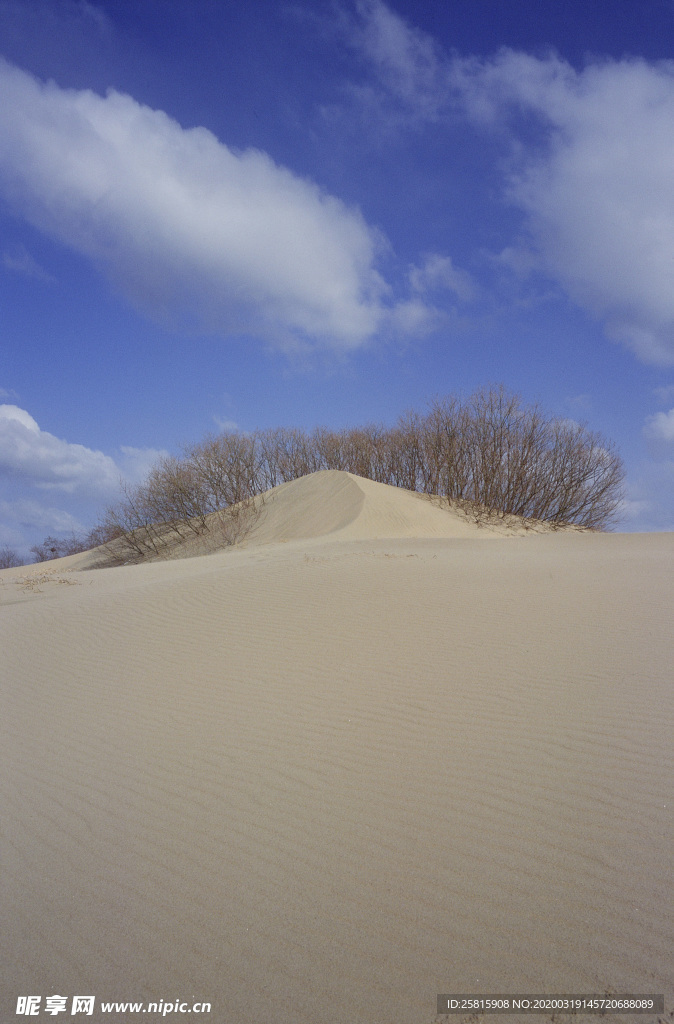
x: 59, y: 547
x: 130, y: 521
x: 236, y: 522
x: 211, y: 490
x: 285, y: 454
x: 489, y: 453
x: 9, y: 559
x: 580, y: 476
x: 225, y: 469
x: 102, y: 534
x: 54, y: 547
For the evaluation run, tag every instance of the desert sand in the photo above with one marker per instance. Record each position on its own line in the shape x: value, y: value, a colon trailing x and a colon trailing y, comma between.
x: 371, y: 754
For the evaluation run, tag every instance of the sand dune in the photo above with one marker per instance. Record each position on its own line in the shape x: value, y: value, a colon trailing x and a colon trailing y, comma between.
x: 354, y: 763
x: 347, y: 507
x: 336, y: 505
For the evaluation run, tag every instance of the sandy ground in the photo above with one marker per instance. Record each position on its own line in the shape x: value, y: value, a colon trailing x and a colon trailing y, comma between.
x: 372, y: 755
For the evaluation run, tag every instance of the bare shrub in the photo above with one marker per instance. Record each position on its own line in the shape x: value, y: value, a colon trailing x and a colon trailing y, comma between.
x: 60, y: 547
x: 402, y: 459
x: 131, y: 523
x: 53, y: 547
x: 490, y: 454
x: 495, y: 453
x: 225, y: 470
x: 9, y: 559
x: 580, y: 476
x: 102, y: 534
x: 236, y: 522
x: 210, y: 490
x: 286, y: 453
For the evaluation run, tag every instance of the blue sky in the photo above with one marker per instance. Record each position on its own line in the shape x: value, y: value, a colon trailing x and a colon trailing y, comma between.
x: 219, y: 215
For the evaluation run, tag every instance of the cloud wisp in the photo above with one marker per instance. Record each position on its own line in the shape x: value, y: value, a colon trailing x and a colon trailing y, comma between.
x: 186, y: 228
x: 660, y: 428
x: 20, y: 261
x: 409, y: 64
x: 590, y: 160
x: 439, y: 273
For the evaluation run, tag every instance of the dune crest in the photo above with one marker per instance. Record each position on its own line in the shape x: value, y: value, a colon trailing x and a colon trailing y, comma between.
x: 343, y: 506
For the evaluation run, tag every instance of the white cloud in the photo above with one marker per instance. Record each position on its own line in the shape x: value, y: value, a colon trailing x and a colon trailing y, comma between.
x: 225, y: 425
x: 664, y: 394
x: 651, y: 484
x: 37, y: 469
x: 632, y: 510
x: 183, y: 225
x: 660, y: 426
x: 415, y: 318
x: 591, y: 158
x: 32, y: 515
x: 519, y: 259
x: 438, y: 272
x: 597, y: 192
x: 48, y: 462
x: 648, y: 504
x: 135, y: 463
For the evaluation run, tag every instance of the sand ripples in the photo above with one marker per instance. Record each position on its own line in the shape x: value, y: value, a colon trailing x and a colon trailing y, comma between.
x: 329, y: 782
